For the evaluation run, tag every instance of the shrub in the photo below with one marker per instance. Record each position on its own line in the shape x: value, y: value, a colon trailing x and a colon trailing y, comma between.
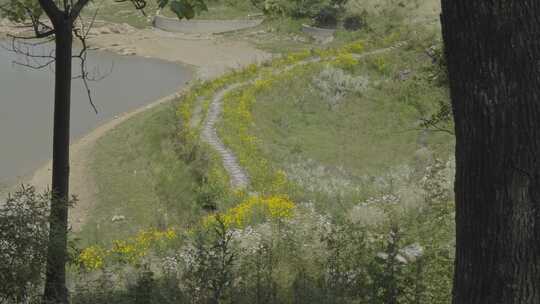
x: 24, y: 228
x: 295, y: 8
x: 130, y: 251
x: 209, y: 264
x: 301, y: 8
x: 439, y: 69
x: 327, y: 17
x: 345, y: 61
x: 353, y: 22
x: 334, y: 84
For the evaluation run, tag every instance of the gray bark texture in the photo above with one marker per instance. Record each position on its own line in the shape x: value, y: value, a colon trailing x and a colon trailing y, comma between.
x: 493, y: 53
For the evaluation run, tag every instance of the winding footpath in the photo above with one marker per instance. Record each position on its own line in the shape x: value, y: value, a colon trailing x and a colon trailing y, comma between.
x: 239, y: 177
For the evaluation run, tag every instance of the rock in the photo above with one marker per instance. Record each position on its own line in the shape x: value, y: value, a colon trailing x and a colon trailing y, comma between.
x: 118, y: 218
x: 116, y: 30
x: 104, y: 30
x: 401, y: 259
x: 127, y: 52
x: 404, y: 75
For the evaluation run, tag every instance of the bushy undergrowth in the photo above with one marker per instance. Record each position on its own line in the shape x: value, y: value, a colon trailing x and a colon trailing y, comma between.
x: 390, y: 243
x: 24, y: 231
x: 305, y: 232
x: 273, y: 250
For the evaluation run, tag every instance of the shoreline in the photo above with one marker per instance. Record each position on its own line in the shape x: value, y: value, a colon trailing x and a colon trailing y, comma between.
x: 208, y: 56
x: 81, y: 178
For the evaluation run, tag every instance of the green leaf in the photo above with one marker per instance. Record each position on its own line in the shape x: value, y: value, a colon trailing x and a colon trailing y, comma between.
x: 199, y: 6
x: 182, y: 9
x: 187, y: 8
x: 20, y: 10
x: 162, y: 3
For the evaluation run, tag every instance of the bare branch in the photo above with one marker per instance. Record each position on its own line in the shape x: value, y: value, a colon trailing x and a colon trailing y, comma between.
x: 427, y: 124
x: 82, y: 35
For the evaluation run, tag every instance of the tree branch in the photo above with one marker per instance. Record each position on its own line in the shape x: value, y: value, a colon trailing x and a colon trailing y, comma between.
x: 51, y: 10
x: 77, y: 8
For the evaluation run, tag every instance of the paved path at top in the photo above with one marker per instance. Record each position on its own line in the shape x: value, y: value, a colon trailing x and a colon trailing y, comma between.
x: 238, y: 175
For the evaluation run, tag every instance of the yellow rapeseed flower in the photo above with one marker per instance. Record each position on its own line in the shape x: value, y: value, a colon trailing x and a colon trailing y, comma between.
x: 273, y: 208
x: 92, y: 258
x: 345, y: 61
x: 355, y: 47
x: 279, y: 207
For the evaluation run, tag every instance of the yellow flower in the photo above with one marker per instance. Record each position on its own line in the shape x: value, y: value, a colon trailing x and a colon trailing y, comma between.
x: 92, y: 258
x: 355, y: 47
x: 273, y: 207
x: 345, y: 61
x: 380, y: 64
x: 170, y: 234
x: 280, y: 207
x: 262, y: 84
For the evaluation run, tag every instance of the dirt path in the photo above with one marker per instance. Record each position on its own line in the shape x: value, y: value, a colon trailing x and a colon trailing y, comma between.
x: 238, y: 175
x: 210, y: 56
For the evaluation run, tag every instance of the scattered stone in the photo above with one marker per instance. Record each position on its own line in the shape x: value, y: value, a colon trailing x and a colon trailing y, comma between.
x: 404, y: 75
x: 105, y: 30
x: 401, y: 259
x: 127, y: 52
x: 118, y: 218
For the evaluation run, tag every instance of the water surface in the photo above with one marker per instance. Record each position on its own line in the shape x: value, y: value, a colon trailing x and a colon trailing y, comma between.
x: 26, y: 102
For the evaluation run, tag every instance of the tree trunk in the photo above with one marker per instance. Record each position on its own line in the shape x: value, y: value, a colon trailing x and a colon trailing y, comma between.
x: 493, y: 53
x: 55, y: 285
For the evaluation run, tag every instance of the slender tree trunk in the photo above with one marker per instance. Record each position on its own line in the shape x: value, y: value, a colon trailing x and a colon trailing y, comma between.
x: 55, y: 286
x: 493, y: 53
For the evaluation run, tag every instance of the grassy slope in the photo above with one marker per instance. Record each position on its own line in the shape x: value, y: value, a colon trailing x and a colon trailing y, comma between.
x: 140, y: 176
x: 293, y: 120
x: 372, y: 126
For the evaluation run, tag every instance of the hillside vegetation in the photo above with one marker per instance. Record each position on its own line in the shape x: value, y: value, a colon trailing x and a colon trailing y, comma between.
x: 347, y: 151
x: 350, y: 196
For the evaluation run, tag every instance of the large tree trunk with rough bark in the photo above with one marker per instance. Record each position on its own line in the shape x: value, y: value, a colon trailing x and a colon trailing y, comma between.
x: 493, y: 53
x: 55, y: 286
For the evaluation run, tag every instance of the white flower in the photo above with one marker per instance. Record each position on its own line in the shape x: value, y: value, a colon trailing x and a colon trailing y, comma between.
x: 412, y: 252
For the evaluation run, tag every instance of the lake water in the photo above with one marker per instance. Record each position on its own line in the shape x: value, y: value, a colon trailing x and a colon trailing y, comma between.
x: 26, y: 103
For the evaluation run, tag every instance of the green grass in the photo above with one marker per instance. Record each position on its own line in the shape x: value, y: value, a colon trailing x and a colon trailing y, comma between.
x: 120, y: 12
x: 223, y: 11
x: 139, y: 175
x: 366, y: 134
x: 124, y: 12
